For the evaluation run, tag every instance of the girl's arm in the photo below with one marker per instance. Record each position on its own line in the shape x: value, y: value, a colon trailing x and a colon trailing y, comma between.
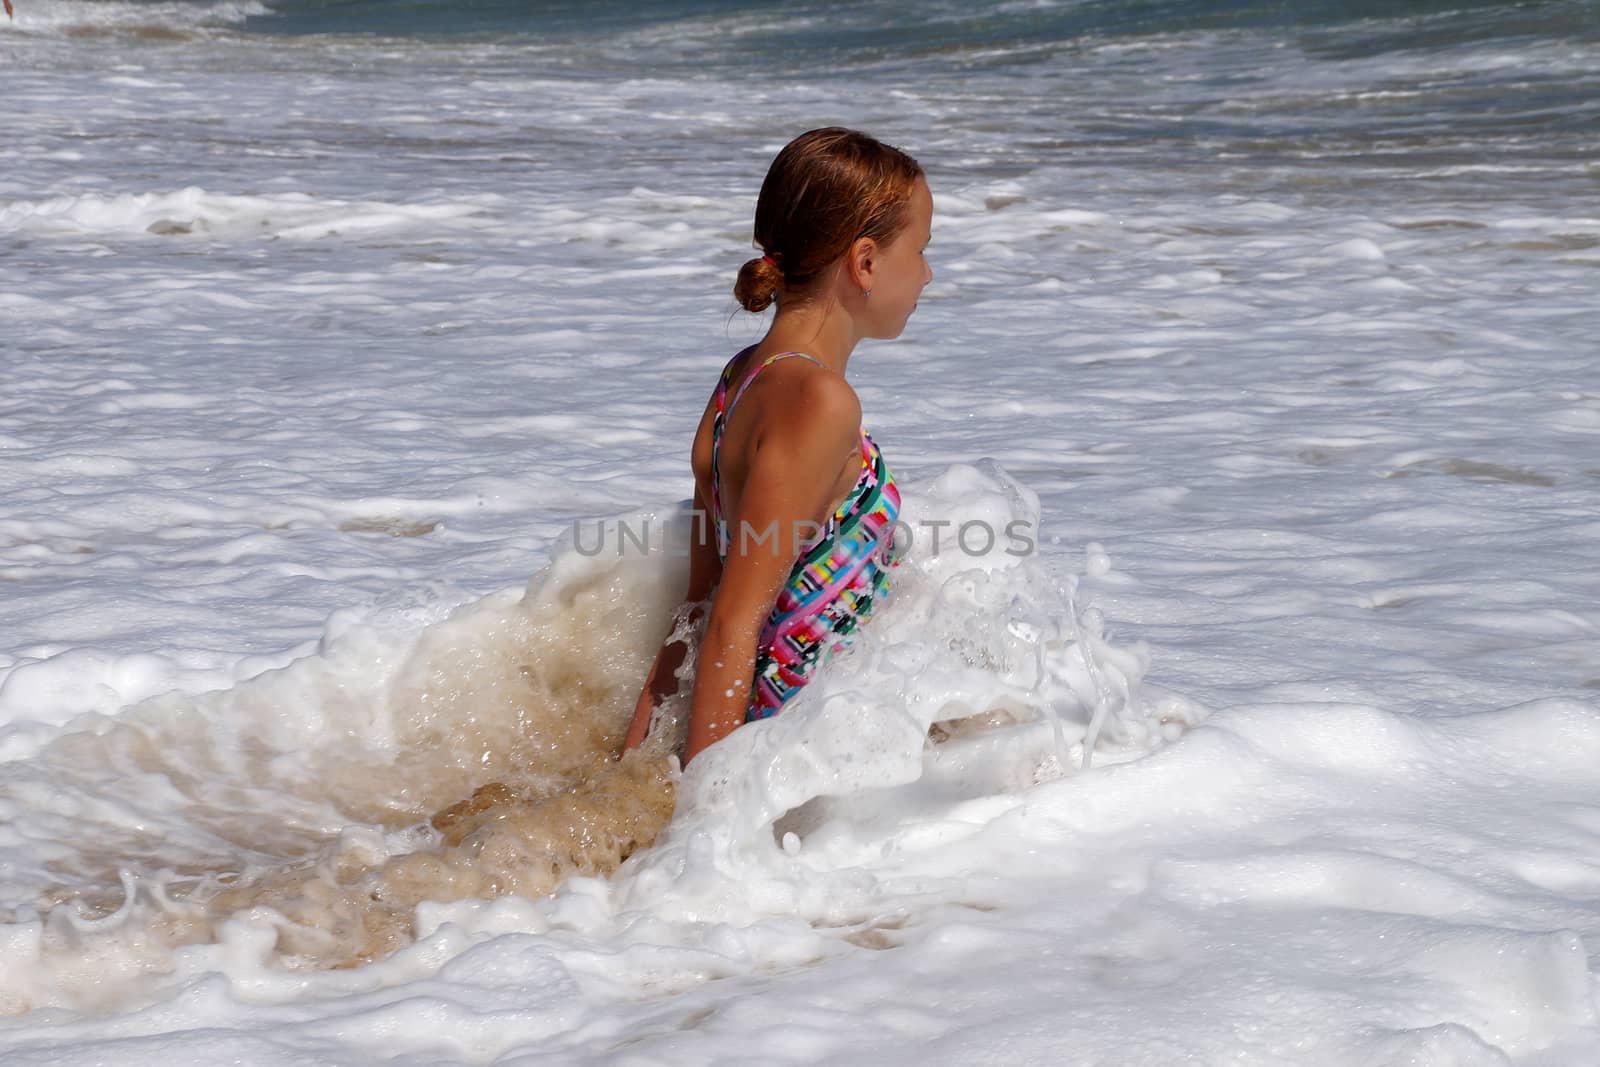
x: 791, y: 476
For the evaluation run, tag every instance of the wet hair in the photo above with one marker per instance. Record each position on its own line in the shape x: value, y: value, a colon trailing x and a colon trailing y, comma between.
x: 827, y: 189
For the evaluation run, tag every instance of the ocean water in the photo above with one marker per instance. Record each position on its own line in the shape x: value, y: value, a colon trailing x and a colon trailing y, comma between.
x: 332, y: 332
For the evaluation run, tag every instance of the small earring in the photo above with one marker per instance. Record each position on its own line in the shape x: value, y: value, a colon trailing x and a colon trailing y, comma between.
x: 866, y: 293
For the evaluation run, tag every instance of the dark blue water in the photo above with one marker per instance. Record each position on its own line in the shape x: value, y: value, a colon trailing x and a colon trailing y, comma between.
x: 1420, y: 82
x: 876, y: 28
x: 874, y: 31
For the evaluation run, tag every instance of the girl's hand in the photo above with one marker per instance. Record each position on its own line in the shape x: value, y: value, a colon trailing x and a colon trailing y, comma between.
x: 661, y: 683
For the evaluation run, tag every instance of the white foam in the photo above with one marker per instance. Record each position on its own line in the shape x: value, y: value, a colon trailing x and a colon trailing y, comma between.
x: 311, y: 744
x: 75, y: 17
x: 193, y: 212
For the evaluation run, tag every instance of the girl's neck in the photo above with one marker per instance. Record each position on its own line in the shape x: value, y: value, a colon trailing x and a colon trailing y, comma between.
x: 822, y: 331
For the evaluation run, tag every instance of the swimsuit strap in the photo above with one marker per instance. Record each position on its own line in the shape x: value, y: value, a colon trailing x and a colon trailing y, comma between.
x: 769, y: 361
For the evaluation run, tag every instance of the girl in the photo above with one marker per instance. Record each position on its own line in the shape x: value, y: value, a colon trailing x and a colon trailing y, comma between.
x: 801, y: 501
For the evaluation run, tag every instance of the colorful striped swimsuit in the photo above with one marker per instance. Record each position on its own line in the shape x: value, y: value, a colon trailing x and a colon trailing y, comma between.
x: 838, y: 576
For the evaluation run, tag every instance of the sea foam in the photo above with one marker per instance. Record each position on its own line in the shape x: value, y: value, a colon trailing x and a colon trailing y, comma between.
x: 474, y: 757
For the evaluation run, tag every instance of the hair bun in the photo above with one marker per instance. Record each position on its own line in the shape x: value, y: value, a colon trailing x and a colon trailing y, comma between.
x: 758, y: 284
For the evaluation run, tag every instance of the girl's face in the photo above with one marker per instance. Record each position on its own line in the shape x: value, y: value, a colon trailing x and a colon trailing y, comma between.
x: 900, y: 269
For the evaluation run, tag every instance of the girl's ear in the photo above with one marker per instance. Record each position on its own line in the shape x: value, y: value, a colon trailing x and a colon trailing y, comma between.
x: 859, y: 262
